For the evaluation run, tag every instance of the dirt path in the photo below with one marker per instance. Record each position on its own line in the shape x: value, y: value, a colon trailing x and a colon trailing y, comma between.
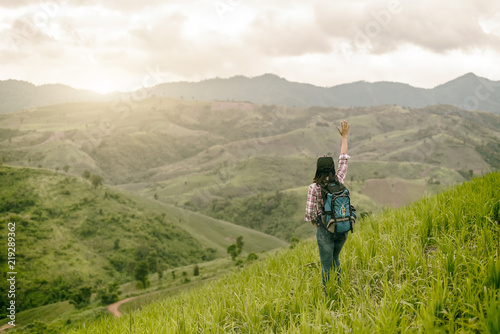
x: 113, y: 308
x: 4, y: 327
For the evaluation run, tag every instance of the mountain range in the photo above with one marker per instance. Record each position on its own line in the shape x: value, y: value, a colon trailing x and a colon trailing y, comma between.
x: 469, y: 92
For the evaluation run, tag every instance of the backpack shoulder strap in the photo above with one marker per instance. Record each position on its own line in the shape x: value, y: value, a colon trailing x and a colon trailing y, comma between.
x: 324, y: 191
x: 336, y: 187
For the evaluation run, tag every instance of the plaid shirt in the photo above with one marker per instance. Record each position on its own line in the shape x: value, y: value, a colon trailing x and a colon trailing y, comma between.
x: 314, y: 200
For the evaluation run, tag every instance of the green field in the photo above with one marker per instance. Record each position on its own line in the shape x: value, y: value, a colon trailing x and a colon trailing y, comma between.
x: 430, y: 267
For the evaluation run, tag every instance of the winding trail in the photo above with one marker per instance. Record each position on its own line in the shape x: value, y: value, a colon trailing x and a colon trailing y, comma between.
x: 4, y: 327
x: 114, y: 308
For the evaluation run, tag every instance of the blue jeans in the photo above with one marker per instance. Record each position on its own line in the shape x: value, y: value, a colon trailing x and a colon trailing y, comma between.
x: 329, y: 250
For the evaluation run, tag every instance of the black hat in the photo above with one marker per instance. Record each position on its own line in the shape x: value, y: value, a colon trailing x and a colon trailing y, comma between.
x: 325, y: 164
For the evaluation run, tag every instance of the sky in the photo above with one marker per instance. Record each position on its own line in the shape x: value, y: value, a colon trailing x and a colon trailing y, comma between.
x: 123, y: 45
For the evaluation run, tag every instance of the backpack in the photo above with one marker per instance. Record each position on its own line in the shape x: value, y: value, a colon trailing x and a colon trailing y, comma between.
x: 338, y: 214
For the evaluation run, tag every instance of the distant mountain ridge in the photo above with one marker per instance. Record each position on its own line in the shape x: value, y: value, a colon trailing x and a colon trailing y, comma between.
x: 16, y: 95
x: 468, y: 92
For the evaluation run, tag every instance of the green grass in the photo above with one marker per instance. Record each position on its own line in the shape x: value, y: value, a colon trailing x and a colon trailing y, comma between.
x: 51, y: 317
x: 210, y: 232
x: 71, y: 235
x: 430, y: 267
x: 47, y: 312
x: 168, y: 286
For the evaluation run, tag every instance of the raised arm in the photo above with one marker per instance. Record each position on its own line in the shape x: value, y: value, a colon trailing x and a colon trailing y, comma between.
x: 344, y: 132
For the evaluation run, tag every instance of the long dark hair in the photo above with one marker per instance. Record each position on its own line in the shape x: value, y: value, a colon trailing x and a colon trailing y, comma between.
x: 322, y: 177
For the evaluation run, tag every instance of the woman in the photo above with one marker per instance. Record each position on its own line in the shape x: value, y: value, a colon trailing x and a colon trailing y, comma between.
x: 328, y: 245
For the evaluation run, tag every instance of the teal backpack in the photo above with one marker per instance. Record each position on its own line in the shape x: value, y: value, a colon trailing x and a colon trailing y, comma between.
x: 338, y: 214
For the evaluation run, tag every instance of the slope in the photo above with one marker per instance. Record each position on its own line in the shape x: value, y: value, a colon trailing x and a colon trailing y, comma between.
x: 72, y: 235
x: 433, y: 266
x: 212, y: 233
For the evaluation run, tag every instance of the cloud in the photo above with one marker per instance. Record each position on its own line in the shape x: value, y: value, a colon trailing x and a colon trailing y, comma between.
x: 383, y: 26
x: 213, y: 54
x: 285, y: 35
x: 80, y: 42
x: 121, y: 5
x: 16, y: 3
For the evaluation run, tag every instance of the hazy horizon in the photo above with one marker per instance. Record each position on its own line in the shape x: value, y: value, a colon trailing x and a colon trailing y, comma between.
x: 229, y: 77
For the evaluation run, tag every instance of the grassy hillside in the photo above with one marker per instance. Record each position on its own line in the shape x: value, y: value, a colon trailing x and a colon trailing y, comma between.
x: 229, y: 162
x: 433, y: 266
x: 72, y: 235
x: 213, y: 233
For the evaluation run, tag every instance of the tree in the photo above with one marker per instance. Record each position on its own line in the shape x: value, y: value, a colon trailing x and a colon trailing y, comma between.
x: 294, y: 241
x: 239, y: 244
x: 109, y: 294
x: 96, y: 180
x: 82, y: 297
x: 196, y: 271
x: 235, y: 249
x: 86, y: 174
x: 66, y: 168
x: 185, y: 277
x: 232, y: 250
x: 141, y: 273
x: 153, y: 261
x: 160, y: 269
x: 117, y: 244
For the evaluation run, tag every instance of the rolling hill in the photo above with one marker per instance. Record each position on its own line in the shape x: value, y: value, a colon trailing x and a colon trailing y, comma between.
x: 70, y: 234
x: 218, y: 157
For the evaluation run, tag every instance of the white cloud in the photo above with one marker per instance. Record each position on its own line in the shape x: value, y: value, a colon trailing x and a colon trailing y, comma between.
x: 101, y: 43
x: 382, y: 26
x: 294, y: 34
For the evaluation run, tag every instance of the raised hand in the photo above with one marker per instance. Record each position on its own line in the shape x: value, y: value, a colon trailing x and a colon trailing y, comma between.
x: 344, y: 128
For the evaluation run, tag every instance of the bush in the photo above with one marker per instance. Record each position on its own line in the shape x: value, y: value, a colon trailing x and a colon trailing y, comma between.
x: 81, y: 298
x: 110, y: 294
x: 252, y: 257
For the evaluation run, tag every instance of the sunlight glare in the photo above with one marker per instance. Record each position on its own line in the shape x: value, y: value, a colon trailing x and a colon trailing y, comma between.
x: 103, y: 87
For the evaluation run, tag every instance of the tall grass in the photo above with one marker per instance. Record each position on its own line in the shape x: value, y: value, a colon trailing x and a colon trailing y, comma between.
x: 431, y: 267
